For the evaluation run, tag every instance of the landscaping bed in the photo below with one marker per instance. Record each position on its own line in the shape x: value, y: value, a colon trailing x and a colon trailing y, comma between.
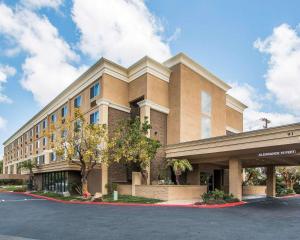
x: 13, y: 188
x: 217, y: 197
x: 106, y: 198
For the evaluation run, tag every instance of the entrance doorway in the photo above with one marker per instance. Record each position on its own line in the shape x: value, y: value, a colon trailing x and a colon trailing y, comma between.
x: 213, y: 179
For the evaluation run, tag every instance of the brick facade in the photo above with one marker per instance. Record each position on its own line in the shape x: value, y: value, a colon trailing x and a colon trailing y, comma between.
x: 116, y: 172
x: 158, y: 132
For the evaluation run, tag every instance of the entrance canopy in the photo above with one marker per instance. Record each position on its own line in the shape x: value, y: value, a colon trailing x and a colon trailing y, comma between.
x: 277, y: 146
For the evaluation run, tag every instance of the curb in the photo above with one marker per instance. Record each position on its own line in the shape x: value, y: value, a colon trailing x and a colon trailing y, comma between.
x: 213, y: 206
x: 289, y: 196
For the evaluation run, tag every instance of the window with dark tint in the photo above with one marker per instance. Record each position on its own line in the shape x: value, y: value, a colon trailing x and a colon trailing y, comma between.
x: 64, y: 111
x: 94, y: 90
x: 77, y: 102
x: 94, y: 117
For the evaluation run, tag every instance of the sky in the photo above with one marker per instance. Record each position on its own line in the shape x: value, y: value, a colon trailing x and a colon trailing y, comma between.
x: 252, y: 45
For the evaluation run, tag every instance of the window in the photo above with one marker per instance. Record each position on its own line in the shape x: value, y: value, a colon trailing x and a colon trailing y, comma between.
x: 205, y: 103
x: 52, y: 156
x: 55, y: 181
x: 45, y: 124
x: 205, y: 127
x: 40, y: 160
x: 37, y: 128
x: 52, y: 137
x: 44, y: 141
x: 94, y: 90
x: 53, y: 118
x: 64, y: 111
x: 77, y: 102
x: 37, y: 144
x: 77, y: 125
x: 63, y: 133
x: 205, y: 115
x: 94, y: 117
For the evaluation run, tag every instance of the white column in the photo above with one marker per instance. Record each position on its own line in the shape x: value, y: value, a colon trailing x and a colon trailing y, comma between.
x: 103, y: 113
x: 145, y: 112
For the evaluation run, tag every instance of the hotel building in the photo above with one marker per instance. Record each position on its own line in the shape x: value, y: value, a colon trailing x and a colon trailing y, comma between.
x: 191, y: 115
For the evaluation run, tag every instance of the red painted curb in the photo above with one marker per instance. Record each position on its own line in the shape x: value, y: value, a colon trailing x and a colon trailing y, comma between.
x: 226, y: 205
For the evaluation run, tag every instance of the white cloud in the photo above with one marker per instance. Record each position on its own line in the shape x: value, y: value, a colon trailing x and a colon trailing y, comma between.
x: 5, y: 72
x: 2, y: 123
x: 48, y: 67
x: 36, y: 4
x: 123, y: 31
x: 283, y: 74
x: 252, y: 115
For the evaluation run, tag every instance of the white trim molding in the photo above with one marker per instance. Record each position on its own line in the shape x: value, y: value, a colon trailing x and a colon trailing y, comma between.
x: 109, y: 103
x: 148, y: 65
x: 154, y: 106
x: 232, y: 129
x: 184, y: 59
x: 235, y: 104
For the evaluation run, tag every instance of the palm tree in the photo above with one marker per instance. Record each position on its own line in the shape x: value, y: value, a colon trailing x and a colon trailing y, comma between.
x: 29, y: 165
x: 179, y: 166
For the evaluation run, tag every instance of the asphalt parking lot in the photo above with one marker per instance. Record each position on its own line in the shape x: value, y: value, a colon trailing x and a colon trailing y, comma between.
x: 23, y: 217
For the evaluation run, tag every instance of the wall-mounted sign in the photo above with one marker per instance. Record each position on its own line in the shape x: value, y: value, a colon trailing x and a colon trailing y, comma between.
x: 278, y: 153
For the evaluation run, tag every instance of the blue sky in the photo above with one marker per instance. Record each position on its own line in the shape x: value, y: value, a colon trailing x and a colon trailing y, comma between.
x: 253, y: 45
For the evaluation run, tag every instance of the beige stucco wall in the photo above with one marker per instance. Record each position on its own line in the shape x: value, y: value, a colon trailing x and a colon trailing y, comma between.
x: 234, y: 119
x: 150, y: 87
x: 171, y: 192
x: 138, y: 88
x: 157, y: 90
x: 184, y: 121
x: 254, y: 190
x: 173, y: 130
x: 192, y: 84
x: 115, y: 90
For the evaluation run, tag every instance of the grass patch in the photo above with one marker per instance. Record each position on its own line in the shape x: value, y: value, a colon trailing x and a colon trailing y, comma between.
x: 106, y: 198
x: 12, y: 187
x: 60, y: 196
x: 131, y: 199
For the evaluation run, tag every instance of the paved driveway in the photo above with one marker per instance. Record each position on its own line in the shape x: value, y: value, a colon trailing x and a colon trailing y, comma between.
x: 42, y: 219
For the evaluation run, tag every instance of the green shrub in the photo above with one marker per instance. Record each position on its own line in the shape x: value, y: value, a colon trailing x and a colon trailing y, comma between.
x: 4, y: 182
x: 21, y: 189
x: 297, y: 188
x: 218, y: 197
x: 285, y: 191
x: 114, y: 186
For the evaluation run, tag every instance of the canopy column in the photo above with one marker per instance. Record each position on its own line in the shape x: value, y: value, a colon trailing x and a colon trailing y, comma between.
x: 235, y: 178
x: 271, y: 181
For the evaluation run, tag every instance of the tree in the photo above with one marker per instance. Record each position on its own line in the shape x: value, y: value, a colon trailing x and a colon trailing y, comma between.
x: 254, y: 176
x: 1, y: 166
x: 81, y: 143
x: 290, y: 175
x: 129, y: 144
x: 179, y: 166
x: 29, y: 165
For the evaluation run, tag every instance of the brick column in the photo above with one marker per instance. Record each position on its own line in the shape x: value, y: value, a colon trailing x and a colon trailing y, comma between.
x: 145, y: 111
x: 235, y: 178
x: 271, y: 181
x: 103, y: 113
